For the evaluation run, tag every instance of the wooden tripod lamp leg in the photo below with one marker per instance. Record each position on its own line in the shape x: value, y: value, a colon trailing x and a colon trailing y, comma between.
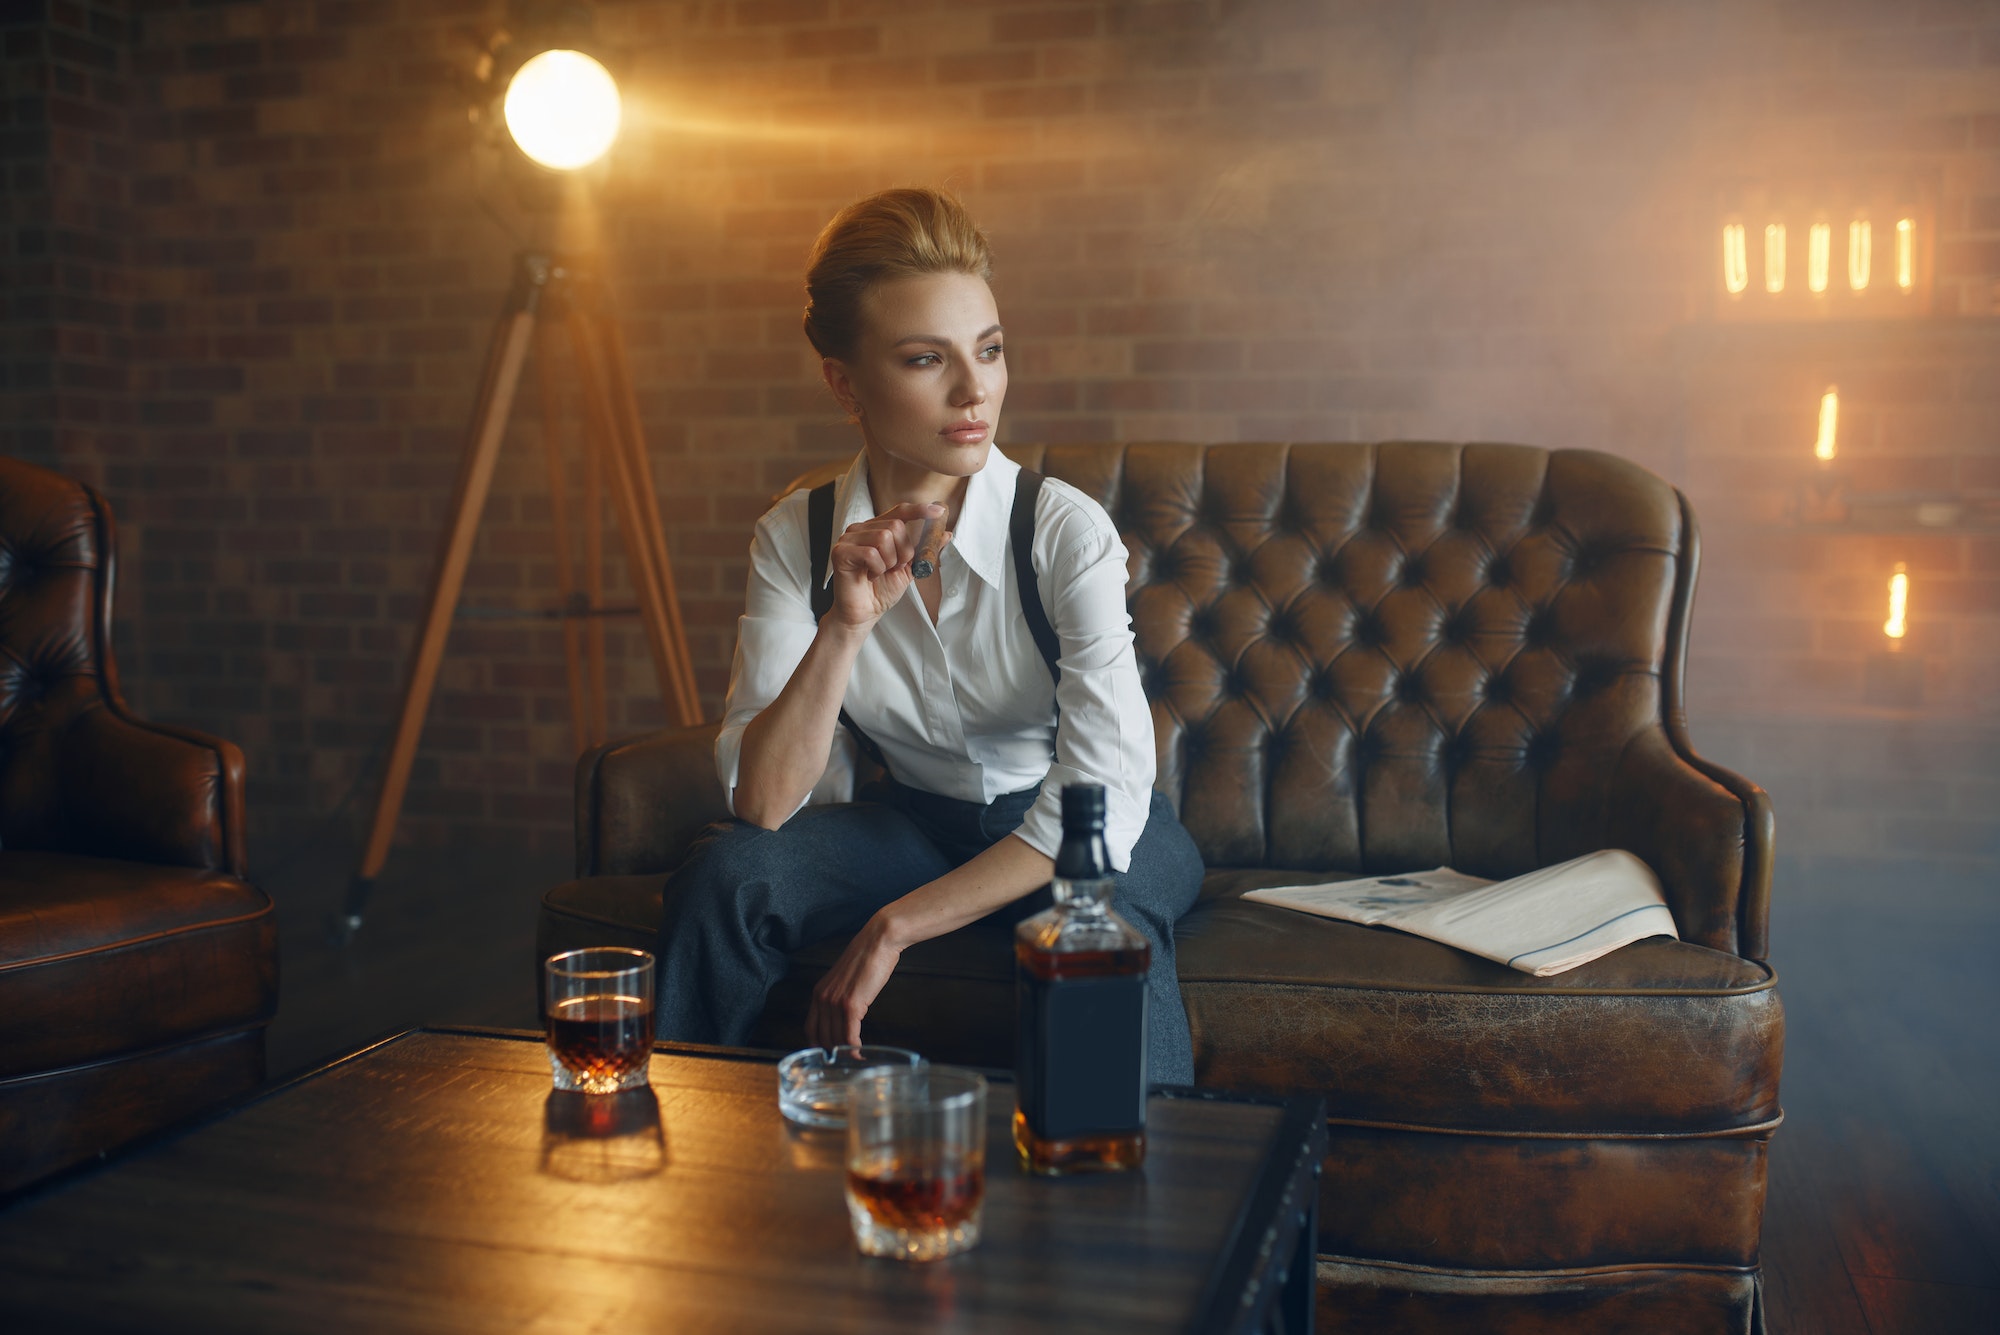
x: 572, y: 630
x: 618, y: 379
x: 593, y: 584
x: 475, y: 477
x: 669, y: 650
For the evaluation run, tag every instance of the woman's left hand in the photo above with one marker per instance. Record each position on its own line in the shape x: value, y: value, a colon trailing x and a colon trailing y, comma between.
x: 850, y: 987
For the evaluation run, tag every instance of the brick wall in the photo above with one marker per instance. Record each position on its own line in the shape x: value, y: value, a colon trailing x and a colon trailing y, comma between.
x: 1215, y: 219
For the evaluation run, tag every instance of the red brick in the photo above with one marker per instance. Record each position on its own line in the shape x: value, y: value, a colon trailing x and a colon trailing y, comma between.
x: 1038, y: 100
x: 1196, y: 355
x: 823, y: 42
x: 751, y: 13
x: 1067, y: 23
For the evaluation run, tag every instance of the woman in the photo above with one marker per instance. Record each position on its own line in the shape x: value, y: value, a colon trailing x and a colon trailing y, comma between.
x: 940, y: 676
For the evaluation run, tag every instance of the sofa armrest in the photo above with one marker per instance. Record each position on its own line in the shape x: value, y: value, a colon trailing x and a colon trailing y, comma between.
x: 1708, y: 834
x: 642, y: 801
x: 149, y: 793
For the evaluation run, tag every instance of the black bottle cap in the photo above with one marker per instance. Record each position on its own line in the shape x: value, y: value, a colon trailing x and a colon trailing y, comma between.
x: 1083, y: 806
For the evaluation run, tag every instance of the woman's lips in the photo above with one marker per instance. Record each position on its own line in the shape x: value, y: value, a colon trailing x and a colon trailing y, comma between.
x: 966, y: 433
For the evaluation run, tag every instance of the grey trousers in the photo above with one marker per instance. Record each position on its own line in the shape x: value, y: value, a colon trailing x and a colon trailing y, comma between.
x: 747, y: 897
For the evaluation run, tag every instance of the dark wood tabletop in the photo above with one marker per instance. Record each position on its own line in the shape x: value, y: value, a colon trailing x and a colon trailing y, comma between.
x: 428, y: 1183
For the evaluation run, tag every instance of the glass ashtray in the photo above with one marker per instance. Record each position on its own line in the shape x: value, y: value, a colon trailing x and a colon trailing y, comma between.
x: 812, y: 1082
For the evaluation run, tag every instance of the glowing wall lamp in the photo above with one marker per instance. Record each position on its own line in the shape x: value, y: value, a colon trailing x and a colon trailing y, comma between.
x: 1898, y: 624
x: 1831, y: 223
x: 1819, y: 256
x: 1895, y: 678
x: 1735, y: 259
x: 1829, y: 425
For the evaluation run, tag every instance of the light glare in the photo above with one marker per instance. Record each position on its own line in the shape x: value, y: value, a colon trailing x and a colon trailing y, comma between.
x: 563, y: 110
x: 1829, y: 424
x: 1774, y: 258
x: 1906, y: 253
x: 1735, y: 259
x: 1898, y: 624
x: 1860, y: 253
x: 1819, y: 255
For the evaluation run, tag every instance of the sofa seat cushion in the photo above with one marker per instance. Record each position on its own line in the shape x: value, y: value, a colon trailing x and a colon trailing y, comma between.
x: 1661, y: 1036
x: 100, y: 957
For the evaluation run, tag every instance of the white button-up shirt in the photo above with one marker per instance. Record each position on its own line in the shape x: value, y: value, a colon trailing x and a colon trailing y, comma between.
x: 966, y: 708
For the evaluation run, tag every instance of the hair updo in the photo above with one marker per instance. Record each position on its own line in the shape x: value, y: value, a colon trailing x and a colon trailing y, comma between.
x: 898, y: 233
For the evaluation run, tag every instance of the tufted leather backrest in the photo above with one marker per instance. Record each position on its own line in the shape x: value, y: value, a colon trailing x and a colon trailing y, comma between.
x: 1379, y: 658
x: 79, y: 774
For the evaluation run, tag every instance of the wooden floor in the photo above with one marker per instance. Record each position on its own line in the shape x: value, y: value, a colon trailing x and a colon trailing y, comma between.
x: 1884, y: 1214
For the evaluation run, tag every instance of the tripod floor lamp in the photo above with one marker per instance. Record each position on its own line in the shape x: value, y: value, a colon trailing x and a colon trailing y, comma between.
x: 552, y: 294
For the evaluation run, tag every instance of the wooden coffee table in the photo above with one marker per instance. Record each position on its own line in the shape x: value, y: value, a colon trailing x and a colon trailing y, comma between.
x: 413, y: 1186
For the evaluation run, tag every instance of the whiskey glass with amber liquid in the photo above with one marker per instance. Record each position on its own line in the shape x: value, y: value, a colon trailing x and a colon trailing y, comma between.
x: 916, y: 1160
x: 598, y: 1005
x: 1080, y: 996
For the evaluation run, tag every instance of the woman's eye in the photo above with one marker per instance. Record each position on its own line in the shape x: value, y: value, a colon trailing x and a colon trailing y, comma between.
x: 926, y: 359
x: 991, y: 351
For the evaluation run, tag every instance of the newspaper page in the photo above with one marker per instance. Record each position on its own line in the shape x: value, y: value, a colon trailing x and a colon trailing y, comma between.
x: 1546, y: 922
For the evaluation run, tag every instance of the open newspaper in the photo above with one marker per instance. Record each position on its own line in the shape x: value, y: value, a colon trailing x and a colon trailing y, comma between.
x: 1546, y: 922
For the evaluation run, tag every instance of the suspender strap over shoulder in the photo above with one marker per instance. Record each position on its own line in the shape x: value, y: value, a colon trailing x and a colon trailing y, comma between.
x: 1021, y: 537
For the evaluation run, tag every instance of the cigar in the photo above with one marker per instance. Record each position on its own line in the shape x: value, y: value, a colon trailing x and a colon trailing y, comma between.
x: 930, y: 541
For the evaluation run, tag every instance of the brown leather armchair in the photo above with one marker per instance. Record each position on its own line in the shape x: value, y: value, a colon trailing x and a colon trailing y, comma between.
x: 138, y: 966
x: 1366, y: 659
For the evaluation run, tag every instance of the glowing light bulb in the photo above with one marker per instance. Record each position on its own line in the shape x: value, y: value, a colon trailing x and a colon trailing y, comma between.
x: 1860, y: 253
x: 1774, y: 258
x: 1819, y: 255
x: 1735, y: 259
x: 1829, y: 424
x: 562, y: 109
x: 1898, y: 624
x: 1906, y: 253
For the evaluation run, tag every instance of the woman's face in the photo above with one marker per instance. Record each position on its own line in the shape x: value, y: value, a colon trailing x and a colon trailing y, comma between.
x: 927, y: 376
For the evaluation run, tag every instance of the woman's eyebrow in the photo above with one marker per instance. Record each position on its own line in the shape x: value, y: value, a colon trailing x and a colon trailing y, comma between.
x: 943, y: 342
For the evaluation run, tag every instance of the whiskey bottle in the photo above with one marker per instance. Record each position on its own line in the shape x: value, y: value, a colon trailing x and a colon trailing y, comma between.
x: 1080, y: 1002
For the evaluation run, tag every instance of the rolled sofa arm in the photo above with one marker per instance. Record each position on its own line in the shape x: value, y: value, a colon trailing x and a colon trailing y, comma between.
x: 641, y: 802
x: 124, y: 788
x: 1707, y: 832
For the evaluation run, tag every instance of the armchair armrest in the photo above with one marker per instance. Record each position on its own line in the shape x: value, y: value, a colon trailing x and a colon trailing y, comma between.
x: 1708, y: 834
x: 148, y: 793
x: 641, y: 802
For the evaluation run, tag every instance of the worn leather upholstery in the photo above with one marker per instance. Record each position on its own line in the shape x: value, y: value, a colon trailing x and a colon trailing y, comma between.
x: 138, y: 965
x: 1366, y: 659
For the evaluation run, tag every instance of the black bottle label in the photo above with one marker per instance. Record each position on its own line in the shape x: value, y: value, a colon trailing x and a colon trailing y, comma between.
x: 1082, y: 1046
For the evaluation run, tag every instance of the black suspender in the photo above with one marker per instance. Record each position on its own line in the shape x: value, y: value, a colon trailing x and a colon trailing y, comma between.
x: 1021, y: 536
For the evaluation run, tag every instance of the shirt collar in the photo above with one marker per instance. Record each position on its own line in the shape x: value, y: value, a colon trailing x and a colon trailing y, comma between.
x: 981, y: 537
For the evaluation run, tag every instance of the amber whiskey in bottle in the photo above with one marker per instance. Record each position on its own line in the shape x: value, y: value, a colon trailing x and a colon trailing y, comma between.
x: 1080, y: 1000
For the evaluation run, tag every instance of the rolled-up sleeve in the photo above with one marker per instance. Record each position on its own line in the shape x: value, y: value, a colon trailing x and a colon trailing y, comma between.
x: 1104, y: 727
x: 772, y: 636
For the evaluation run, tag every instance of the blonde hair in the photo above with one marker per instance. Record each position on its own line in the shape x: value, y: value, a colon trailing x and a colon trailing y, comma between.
x: 895, y: 234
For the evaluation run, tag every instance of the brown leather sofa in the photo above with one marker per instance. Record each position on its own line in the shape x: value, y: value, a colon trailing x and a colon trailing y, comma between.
x: 138, y: 966
x: 1365, y: 659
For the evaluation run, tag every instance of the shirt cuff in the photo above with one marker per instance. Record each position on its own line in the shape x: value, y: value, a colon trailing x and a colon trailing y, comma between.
x: 1125, y: 816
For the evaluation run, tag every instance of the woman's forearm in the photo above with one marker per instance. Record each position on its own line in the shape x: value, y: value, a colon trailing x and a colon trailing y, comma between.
x: 785, y: 747
x: 995, y: 878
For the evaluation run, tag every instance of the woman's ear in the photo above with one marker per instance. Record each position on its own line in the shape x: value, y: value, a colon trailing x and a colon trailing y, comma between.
x: 834, y: 372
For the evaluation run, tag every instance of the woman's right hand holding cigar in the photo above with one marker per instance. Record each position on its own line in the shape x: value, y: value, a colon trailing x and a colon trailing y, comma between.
x: 871, y: 561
